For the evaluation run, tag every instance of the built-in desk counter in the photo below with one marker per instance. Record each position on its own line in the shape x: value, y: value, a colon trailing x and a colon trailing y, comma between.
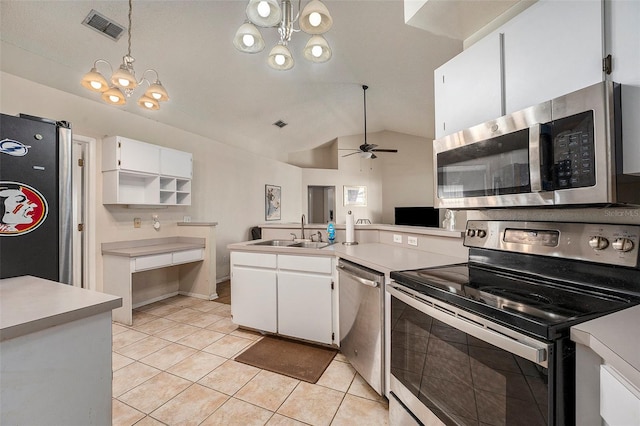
x: 124, y: 258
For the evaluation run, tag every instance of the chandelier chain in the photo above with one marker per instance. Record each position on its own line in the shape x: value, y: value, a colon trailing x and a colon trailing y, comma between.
x: 129, y: 29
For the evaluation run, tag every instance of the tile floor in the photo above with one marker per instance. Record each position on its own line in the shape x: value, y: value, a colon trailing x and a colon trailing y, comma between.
x: 175, y: 366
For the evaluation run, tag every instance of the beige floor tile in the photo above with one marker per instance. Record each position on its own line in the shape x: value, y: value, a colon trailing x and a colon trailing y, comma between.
x: 267, y: 390
x: 203, y: 319
x: 118, y: 361
x: 183, y: 315
x: 247, y: 334
x: 154, y: 392
x: 168, y: 356
x: 176, y: 332
x: 338, y: 376
x: 235, y: 412
x: 356, y: 410
x: 223, y: 310
x: 206, y: 306
x: 149, y: 421
x: 117, y: 328
x: 340, y: 357
x: 201, y: 338
x: 160, y: 309
x: 280, y: 420
x: 230, y: 377
x: 154, y: 326
x: 141, y: 317
x: 123, y: 415
x: 182, y: 301
x: 191, y: 407
x: 312, y: 404
x: 126, y: 338
x: 143, y: 347
x: 228, y: 346
x: 359, y: 387
x: 196, y: 366
x: 223, y: 326
x: 131, y: 376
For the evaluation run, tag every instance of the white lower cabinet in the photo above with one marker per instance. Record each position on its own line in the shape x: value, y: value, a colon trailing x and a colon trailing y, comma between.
x: 284, y: 294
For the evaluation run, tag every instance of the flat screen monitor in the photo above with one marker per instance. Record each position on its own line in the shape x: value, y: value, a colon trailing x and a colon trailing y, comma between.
x: 417, y: 216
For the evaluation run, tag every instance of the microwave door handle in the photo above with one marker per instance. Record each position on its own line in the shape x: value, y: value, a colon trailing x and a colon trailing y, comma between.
x: 534, y: 158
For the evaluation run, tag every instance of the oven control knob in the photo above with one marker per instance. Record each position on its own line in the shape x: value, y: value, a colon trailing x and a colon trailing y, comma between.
x: 623, y: 244
x: 598, y: 243
x: 481, y: 233
x: 471, y: 232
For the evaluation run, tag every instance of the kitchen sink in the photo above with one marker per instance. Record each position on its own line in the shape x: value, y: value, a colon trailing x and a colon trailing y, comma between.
x: 311, y: 244
x: 277, y: 243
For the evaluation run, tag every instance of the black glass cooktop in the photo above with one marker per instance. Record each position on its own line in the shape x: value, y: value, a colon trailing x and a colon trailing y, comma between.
x: 537, y: 307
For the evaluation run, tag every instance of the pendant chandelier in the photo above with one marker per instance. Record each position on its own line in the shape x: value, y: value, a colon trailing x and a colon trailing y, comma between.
x: 314, y: 20
x: 123, y: 81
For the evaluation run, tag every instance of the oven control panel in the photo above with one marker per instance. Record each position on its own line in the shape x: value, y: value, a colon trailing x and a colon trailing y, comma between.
x: 602, y: 243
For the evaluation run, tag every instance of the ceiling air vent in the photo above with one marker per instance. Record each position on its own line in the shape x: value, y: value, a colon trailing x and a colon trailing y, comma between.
x: 103, y: 25
x: 280, y: 123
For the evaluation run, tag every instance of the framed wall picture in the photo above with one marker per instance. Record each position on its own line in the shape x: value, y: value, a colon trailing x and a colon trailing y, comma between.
x: 272, y: 202
x: 355, y: 195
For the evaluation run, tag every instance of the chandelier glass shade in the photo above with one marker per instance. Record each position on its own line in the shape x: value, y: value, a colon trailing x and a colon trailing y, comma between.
x: 123, y: 81
x: 314, y: 19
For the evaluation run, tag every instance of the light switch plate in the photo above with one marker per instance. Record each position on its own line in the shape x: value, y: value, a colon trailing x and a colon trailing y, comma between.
x: 397, y: 238
x: 412, y: 241
x: 137, y: 222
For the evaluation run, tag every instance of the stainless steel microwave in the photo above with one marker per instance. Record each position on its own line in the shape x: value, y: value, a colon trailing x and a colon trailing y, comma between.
x: 567, y: 151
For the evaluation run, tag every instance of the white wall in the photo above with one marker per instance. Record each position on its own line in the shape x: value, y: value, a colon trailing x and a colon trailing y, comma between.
x: 228, y: 183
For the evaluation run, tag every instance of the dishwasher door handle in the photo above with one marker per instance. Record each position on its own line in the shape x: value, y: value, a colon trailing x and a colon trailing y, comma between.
x: 361, y: 280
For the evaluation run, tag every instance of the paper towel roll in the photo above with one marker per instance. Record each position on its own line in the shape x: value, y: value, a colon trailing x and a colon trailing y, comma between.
x: 349, y: 228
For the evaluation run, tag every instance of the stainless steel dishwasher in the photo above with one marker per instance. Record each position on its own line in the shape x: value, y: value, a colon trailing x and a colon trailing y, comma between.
x: 362, y: 321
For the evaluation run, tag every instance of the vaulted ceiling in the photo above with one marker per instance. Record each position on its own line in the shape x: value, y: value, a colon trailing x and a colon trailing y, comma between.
x: 232, y: 97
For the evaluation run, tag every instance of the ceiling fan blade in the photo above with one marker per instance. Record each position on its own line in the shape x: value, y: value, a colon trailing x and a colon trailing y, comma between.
x: 357, y: 152
x: 385, y: 150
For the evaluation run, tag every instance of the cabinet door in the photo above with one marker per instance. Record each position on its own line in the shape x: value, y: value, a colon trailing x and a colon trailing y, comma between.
x: 253, y: 292
x: 551, y: 49
x: 468, y: 88
x: 175, y: 163
x: 304, y: 306
x: 139, y: 156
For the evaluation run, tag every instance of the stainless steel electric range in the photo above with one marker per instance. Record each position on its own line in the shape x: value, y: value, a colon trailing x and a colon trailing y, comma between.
x: 487, y: 342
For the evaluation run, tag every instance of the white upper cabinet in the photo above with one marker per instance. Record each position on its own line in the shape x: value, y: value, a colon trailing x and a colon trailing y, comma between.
x: 553, y: 48
x: 175, y: 163
x: 140, y: 173
x: 468, y: 88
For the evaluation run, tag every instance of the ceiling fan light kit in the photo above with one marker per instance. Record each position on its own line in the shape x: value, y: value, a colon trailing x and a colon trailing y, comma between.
x: 314, y: 19
x: 123, y: 81
x: 366, y: 150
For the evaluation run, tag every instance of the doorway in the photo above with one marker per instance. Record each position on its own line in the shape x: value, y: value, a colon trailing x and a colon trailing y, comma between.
x: 83, y: 158
x: 322, y: 203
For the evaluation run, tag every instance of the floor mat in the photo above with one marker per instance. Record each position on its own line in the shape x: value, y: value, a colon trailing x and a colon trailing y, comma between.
x: 302, y: 361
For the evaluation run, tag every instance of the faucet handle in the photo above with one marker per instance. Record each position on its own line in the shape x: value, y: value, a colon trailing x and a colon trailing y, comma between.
x: 294, y: 235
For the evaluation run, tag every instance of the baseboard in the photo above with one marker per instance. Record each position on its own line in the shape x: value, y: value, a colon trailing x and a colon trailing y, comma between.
x: 155, y: 299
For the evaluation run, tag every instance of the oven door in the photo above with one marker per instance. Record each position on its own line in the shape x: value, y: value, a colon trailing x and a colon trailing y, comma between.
x: 449, y: 364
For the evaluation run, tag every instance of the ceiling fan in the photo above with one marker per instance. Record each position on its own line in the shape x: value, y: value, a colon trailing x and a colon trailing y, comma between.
x: 366, y: 150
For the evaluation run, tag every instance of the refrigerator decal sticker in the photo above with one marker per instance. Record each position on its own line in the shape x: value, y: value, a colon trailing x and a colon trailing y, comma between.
x: 22, y: 209
x: 13, y: 148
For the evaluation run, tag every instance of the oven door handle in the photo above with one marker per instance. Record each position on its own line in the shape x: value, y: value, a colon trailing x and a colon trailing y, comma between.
x: 458, y: 319
x: 341, y: 269
x: 535, y: 177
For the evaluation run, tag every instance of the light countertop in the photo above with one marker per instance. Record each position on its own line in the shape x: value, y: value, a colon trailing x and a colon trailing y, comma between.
x: 614, y: 338
x: 147, y: 247
x: 420, y: 230
x: 29, y: 304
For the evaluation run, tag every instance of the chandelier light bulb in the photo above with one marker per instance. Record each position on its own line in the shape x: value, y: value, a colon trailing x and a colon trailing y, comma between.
x: 316, y: 51
x: 96, y: 85
x: 113, y: 98
x: 315, y: 19
x: 156, y: 95
x: 248, y: 40
x: 279, y: 59
x: 264, y: 9
x: 123, y: 82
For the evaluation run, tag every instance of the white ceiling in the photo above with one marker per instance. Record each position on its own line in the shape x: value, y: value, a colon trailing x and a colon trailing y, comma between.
x: 232, y: 97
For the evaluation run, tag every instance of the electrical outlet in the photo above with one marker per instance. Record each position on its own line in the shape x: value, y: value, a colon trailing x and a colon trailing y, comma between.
x: 412, y: 241
x: 397, y: 238
x: 137, y: 222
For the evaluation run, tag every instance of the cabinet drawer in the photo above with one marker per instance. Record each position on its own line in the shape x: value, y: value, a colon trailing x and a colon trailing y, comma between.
x: 154, y: 261
x: 258, y: 260
x: 321, y: 265
x: 188, y: 256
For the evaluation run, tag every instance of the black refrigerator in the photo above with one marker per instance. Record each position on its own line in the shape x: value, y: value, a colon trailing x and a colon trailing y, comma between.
x: 35, y: 198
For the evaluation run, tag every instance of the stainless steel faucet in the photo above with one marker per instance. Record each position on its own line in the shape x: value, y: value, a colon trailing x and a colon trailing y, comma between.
x: 302, y: 227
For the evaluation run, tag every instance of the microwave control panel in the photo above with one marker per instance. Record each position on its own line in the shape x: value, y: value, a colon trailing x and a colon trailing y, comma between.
x: 574, y: 151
